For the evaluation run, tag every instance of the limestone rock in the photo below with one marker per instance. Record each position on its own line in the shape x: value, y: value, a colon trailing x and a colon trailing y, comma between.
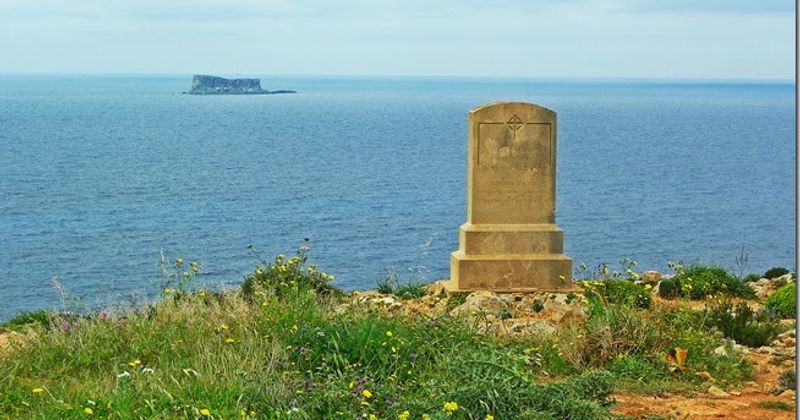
x: 558, y: 308
x: 651, y: 276
x: 765, y: 287
x: 717, y: 393
x: 528, y: 326
x: 480, y: 302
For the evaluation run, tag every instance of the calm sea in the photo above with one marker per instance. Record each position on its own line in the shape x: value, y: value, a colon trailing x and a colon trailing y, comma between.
x: 99, y: 174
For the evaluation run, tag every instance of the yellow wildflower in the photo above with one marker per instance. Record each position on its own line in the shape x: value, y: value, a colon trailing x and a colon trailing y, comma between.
x: 223, y: 326
x: 489, y: 417
x: 426, y: 417
x: 648, y: 286
x: 37, y: 390
x: 229, y: 340
x: 366, y: 393
x: 134, y: 363
x: 373, y: 417
x: 88, y: 411
x: 394, y: 349
x: 205, y: 412
x: 450, y: 406
x: 389, y: 333
x: 405, y: 415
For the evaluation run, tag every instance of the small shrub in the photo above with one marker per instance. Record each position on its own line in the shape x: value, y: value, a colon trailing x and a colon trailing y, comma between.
x: 615, y: 331
x: 775, y: 272
x: 783, y: 301
x: 411, y: 291
x: 388, y: 285
x: 391, y: 286
x: 775, y: 405
x: 24, y: 319
x: 636, y: 368
x: 669, y: 288
x: 742, y: 324
x: 624, y: 292
x: 788, y: 379
x: 288, y: 276
x: 699, y: 282
x: 750, y: 278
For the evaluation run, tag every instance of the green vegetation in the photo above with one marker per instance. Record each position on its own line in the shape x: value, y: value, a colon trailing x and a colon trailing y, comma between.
x: 279, y: 347
x: 288, y: 344
x: 391, y: 286
x: 783, y: 302
x: 788, y: 379
x: 699, y: 282
x: 742, y: 324
x: 669, y: 288
x: 633, y: 343
x: 750, y: 278
x: 775, y: 272
x: 24, y: 320
x: 624, y: 292
x: 776, y: 405
x: 288, y: 276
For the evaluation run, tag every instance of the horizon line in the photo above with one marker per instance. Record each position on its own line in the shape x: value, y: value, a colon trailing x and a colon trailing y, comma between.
x: 426, y: 76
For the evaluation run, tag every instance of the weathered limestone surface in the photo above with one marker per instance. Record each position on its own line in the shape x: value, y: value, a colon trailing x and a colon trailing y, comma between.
x: 510, y: 241
x: 213, y: 85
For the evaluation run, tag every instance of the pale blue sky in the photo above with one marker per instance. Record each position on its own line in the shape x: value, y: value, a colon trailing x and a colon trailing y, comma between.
x: 534, y: 38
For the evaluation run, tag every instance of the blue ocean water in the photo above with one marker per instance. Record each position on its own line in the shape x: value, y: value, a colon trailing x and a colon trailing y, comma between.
x: 98, y: 174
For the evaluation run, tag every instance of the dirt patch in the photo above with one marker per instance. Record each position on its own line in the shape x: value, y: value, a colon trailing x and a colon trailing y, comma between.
x: 744, y: 406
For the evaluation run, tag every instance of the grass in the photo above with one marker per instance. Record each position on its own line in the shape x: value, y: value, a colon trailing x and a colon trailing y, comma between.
x: 225, y: 355
x: 390, y: 285
x: 286, y: 345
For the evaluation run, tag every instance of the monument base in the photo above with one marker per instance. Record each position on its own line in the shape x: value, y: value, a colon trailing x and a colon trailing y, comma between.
x: 510, y: 258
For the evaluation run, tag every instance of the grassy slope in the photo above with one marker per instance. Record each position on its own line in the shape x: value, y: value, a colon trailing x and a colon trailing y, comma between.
x: 296, y: 355
x: 284, y: 351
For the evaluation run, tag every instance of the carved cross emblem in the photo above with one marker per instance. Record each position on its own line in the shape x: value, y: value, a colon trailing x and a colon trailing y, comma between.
x: 515, y: 123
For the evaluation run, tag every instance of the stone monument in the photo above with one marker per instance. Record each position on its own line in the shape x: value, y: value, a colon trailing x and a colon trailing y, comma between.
x: 510, y: 242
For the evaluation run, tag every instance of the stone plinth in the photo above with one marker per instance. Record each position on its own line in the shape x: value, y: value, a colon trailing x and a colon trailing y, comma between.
x: 510, y: 241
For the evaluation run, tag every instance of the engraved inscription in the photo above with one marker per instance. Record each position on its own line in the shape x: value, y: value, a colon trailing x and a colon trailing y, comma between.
x: 515, y: 145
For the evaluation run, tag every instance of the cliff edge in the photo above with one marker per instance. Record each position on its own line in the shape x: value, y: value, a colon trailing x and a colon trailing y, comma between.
x: 213, y: 85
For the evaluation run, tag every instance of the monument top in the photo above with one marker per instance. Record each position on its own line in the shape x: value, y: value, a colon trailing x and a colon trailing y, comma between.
x: 512, y: 164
